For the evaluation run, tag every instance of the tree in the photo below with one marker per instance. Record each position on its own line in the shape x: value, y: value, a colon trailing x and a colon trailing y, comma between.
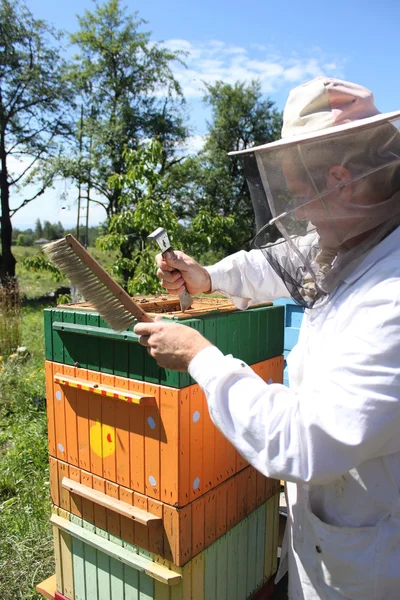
x: 33, y: 97
x: 38, y: 229
x: 144, y: 207
x: 128, y: 91
x: 220, y: 207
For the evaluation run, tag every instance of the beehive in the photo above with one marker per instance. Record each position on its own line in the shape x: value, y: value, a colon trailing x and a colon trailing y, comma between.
x: 134, y: 456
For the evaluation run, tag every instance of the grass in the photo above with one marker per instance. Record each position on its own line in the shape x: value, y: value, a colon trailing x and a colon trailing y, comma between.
x: 26, y: 547
x: 26, y: 553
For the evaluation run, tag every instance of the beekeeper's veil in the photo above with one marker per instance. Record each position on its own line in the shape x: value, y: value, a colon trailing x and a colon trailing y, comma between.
x: 329, y: 190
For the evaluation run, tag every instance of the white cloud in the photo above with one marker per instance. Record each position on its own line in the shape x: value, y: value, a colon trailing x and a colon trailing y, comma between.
x: 215, y: 60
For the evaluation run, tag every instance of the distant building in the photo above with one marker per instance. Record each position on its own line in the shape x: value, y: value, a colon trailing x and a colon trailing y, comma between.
x: 41, y: 241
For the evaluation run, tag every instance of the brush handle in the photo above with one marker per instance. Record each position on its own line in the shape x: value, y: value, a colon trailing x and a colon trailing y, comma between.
x: 108, y: 281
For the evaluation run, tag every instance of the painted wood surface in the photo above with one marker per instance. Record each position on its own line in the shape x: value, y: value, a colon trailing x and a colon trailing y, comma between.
x: 182, y: 532
x: 232, y: 568
x: 169, y: 451
x: 83, y: 339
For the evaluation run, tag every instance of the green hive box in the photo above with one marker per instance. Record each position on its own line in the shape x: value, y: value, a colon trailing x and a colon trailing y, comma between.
x: 77, y: 336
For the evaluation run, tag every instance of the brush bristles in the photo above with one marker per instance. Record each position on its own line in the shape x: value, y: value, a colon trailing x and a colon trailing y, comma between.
x: 93, y: 290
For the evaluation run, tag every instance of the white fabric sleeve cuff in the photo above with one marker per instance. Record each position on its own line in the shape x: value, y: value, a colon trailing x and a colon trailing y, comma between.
x: 205, y: 364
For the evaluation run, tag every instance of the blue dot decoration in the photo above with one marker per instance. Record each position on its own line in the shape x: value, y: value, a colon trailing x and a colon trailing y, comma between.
x: 151, y: 422
x: 196, y: 483
x: 152, y: 480
x: 196, y: 416
x: 58, y: 395
x: 270, y: 380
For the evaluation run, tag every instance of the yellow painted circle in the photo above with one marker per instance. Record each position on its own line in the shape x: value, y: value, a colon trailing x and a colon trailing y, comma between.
x: 102, y: 440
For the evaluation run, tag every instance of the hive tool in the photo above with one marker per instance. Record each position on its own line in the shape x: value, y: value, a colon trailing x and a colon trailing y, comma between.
x: 161, y: 237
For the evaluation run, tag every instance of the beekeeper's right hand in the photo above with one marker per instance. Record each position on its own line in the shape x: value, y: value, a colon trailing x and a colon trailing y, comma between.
x: 177, y: 270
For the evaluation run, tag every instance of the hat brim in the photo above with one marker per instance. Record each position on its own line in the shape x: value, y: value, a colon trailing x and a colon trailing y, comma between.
x: 322, y: 133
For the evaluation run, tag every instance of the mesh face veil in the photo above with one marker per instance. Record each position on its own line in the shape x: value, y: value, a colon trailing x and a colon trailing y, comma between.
x: 321, y: 203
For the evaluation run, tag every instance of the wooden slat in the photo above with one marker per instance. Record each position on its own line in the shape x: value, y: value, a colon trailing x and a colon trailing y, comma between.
x: 124, y: 555
x: 47, y: 588
x: 195, y: 425
x: 152, y: 428
x: 122, y: 508
x: 104, y: 390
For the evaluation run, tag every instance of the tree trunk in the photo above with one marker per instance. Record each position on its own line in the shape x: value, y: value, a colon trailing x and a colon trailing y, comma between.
x: 7, y: 260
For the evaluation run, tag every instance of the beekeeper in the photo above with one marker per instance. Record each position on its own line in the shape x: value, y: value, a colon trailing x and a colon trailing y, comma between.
x: 327, y: 203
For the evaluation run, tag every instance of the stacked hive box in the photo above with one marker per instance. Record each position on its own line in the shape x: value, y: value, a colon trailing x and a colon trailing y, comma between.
x: 150, y: 500
x: 293, y: 318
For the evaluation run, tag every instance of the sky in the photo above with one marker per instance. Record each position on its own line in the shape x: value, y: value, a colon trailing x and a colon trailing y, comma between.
x: 282, y: 43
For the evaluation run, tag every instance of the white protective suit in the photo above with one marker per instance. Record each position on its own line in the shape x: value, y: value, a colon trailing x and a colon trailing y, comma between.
x: 334, y: 436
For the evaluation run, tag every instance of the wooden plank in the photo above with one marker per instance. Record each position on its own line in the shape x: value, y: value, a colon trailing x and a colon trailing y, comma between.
x: 122, y: 411
x: 108, y: 438
x: 269, y: 532
x: 127, y: 524
x: 232, y: 502
x: 107, y: 389
x: 220, y: 456
x: 136, y: 441
x: 209, y: 430
x: 152, y: 444
x: 233, y: 545
x: 116, y: 572
x: 242, y: 494
x: 90, y: 558
x: 221, y: 509
x: 87, y: 505
x: 59, y: 419
x: 141, y: 531
x: 184, y: 448
x: 82, y: 422
x: 67, y: 568
x: 51, y: 428
x: 198, y: 526
x: 184, y: 526
x: 251, y: 553
x: 146, y: 587
x: 195, y: 424
x: 251, y: 489
x: 78, y: 561
x: 65, y: 502
x: 131, y: 583
x: 156, y: 532
x: 210, y: 518
x: 57, y: 560
x: 222, y: 568
x: 210, y: 573
x: 100, y: 511
x: 198, y: 578
x: 95, y: 428
x: 242, y: 559
x: 260, y: 548
x: 169, y: 444
x: 113, y: 517
x: 47, y: 588
x: 76, y: 501
x: 161, y: 591
x: 70, y: 396
x: 54, y: 485
x: 124, y: 555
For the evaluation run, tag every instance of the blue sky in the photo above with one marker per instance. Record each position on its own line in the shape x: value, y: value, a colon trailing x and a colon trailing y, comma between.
x: 283, y: 43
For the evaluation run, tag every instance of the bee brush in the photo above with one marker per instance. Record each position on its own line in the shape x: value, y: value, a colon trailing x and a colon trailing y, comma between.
x: 116, y: 307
